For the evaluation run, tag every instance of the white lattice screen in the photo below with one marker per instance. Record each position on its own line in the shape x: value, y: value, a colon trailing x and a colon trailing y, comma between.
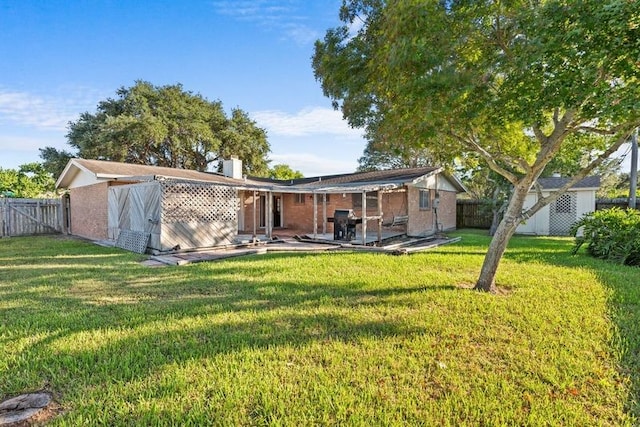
x: 563, y: 214
x: 195, y: 202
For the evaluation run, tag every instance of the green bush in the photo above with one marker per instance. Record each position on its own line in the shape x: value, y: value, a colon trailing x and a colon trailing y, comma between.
x: 612, y: 234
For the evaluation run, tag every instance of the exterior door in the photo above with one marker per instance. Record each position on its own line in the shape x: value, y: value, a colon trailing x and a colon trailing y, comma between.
x: 277, y: 211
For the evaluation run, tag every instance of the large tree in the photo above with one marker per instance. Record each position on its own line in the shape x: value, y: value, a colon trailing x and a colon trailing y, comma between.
x: 379, y: 155
x: 510, y: 81
x: 28, y: 181
x: 284, y: 172
x: 165, y: 126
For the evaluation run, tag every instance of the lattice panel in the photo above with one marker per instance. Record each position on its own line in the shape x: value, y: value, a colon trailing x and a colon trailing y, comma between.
x: 134, y: 241
x: 194, y: 202
x: 563, y: 214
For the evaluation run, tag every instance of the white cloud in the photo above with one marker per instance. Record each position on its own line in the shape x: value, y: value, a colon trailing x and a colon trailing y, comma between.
x: 270, y: 14
x: 28, y: 144
x: 313, y: 164
x: 44, y: 112
x: 301, y: 34
x: 306, y: 122
x: 33, y: 111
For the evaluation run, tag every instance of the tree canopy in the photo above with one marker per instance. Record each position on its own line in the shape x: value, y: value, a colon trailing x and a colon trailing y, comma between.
x: 28, y: 181
x: 164, y: 126
x: 513, y: 82
x: 379, y: 156
x: 283, y: 171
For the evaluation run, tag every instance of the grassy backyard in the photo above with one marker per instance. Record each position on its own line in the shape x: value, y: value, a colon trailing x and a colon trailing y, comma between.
x: 333, y: 338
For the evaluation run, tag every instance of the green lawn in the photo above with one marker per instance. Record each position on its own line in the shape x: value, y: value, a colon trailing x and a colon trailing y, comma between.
x: 332, y: 338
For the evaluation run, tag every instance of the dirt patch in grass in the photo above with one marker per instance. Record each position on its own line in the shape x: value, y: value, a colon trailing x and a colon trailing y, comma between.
x: 499, y: 289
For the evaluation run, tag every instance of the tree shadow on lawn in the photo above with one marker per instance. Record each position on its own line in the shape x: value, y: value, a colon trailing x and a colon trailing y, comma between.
x: 114, y: 327
x: 623, y: 303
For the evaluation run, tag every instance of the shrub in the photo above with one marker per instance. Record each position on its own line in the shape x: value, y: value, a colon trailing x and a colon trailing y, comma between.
x: 611, y: 234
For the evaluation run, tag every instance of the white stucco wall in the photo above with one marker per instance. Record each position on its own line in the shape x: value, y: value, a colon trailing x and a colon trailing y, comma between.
x: 586, y: 202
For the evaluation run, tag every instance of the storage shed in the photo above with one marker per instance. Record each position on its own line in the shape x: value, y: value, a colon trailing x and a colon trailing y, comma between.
x: 172, y: 214
x: 141, y: 206
x: 557, y: 218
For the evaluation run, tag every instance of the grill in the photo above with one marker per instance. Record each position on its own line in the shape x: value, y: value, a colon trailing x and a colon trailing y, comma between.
x: 344, y: 224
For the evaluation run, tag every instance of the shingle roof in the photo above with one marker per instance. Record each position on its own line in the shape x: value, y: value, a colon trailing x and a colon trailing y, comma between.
x: 391, y: 175
x: 557, y: 182
x: 374, y: 179
x: 108, y: 169
x: 101, y: 167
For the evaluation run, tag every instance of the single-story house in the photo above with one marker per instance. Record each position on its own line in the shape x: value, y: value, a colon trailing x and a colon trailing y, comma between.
x: 557, y: 218
x: 164, y: 208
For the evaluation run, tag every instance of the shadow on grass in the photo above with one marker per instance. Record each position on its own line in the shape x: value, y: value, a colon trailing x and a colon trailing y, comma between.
x: 624, y: 301
x: 106, y: 319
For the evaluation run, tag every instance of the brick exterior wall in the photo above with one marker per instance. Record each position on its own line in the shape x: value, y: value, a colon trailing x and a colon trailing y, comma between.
x: 447, y: 210
x: 299, y: 216
x: 422, y: 221
x: 89, y: 210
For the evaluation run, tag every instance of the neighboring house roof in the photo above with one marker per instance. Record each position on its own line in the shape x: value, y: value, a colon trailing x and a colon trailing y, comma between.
x: 101, y: 170
x: 553, y: 183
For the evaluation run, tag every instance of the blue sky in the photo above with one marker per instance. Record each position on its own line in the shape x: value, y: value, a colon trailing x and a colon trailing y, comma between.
x: 60, y: 58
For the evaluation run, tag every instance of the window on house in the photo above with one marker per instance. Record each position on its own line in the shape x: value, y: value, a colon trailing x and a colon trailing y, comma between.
x: 372, y: 200
x: 298, y: 198
x: 425, y: 199
x: 319, y: 198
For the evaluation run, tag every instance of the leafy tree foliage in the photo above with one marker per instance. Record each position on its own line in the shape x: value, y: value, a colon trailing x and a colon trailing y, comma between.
x: 282, y: 171
x: 611, y: 234
x: 512, y: 82
x: 8, y: 182
x: 165, y: 126
x: 378, y: 156
x: 54, y: 160
x: 31, y: 180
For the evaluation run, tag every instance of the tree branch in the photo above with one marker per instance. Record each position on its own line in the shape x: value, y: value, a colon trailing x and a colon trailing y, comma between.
x: 540, y: 136
x: 511, y: 177
x: 599, y: 131
x: 543, y: 201
x: 553, y: 142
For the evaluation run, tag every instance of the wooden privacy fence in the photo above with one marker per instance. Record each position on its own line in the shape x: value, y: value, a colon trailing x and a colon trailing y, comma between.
x: 472, y: 214
x: 23, y: 217
x: 622, y: 203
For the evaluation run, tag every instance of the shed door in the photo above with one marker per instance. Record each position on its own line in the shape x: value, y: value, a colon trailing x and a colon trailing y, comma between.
x: 562, y: 214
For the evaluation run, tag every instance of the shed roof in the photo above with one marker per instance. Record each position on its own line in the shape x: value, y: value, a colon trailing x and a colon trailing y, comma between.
x: 553, y: 183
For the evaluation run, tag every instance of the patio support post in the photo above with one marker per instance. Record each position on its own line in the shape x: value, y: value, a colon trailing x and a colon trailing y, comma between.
x: 269, y: 215
x: 315, y: 215
x: 379, y: 217
x: 255, y: 216
x: 324, y: 213
x: 364, y: 218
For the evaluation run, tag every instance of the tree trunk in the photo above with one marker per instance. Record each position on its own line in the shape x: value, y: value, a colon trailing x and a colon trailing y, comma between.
x: 506, y: 228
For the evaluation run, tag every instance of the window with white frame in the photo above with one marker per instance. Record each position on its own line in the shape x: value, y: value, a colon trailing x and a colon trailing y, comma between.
x: 298, y: 198
x: 425, y: 200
